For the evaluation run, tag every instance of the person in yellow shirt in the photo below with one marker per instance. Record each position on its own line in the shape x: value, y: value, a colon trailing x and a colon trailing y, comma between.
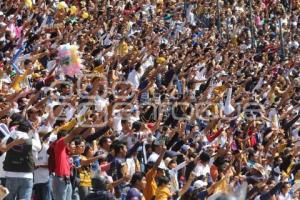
x: 123, y: 48
x: 163, y: 191
x: 86, y: 157
x: 85, y: 169
x: 152, y: 173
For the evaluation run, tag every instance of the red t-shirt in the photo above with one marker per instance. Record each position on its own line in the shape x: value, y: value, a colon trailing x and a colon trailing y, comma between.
x: 62, y: 159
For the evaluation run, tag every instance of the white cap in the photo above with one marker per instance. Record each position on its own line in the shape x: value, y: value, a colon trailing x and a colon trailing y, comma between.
x: 52, y: 138
x: 162, y: 165
x: 199, y: 184
x: 167, y: 161
x: 153, y: 157
x: 1, y: 13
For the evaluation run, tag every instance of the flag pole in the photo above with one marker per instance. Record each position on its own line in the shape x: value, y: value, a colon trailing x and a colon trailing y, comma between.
x: 282, y: 52
x: 218, y: 18
x: 251, y: 25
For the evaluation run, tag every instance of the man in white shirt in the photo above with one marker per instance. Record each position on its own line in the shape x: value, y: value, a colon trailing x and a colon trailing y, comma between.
x: 4, y: 136
x: 134, y: 76
x: 19, y: 161
x: 41, y: 174
x: 202, y: 167
x: 127, y: 135
x: 285, y: 192
x: 101, y: 103
x: 157, y: 148
x: 173, y: 171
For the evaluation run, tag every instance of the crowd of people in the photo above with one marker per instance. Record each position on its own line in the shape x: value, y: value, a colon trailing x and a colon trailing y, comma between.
x: 167, y: 99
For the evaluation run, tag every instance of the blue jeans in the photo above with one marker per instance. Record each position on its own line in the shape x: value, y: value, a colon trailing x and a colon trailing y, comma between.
x: 42, y: 191
x: 20, y: 188
x: 62, y: 189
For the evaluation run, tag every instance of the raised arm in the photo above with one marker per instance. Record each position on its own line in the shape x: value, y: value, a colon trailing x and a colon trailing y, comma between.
x: 15, y: 142
x: 89, y: 161
x: 99, y: 132
x: 118, y: 182
x: 160, y: 158
x: 73, y: 134
x: 186, y: 186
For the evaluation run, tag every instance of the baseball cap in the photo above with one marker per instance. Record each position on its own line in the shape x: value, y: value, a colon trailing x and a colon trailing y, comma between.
x: 169, y: 160
x: 172, y: 154
x: 184, y: 148
x: 152, y: 160
x: 162, y: 166
x: 199, y: 184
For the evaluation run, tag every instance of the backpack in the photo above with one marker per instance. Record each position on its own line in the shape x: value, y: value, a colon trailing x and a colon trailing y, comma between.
x: 19, y: 158
x: 51, y: 159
